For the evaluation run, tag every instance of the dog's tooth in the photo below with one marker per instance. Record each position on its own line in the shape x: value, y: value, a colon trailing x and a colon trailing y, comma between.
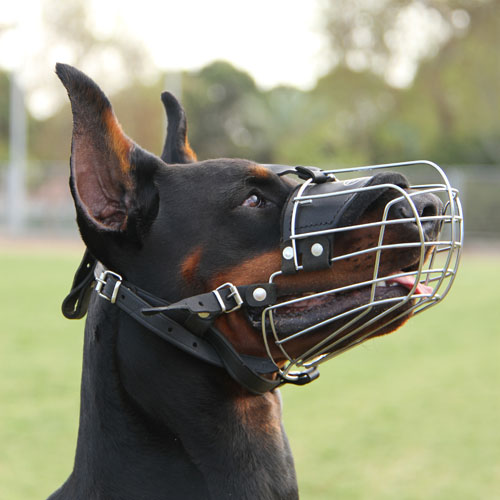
x: 382, y: 284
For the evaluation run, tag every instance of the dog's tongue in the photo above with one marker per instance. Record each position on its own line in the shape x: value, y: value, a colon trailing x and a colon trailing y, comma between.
x: 409, y: 281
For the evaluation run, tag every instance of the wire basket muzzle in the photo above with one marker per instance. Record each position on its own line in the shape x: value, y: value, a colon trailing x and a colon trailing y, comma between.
x: 318, y: 324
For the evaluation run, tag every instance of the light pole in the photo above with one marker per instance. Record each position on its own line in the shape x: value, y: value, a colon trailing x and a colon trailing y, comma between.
x: 16, y: 174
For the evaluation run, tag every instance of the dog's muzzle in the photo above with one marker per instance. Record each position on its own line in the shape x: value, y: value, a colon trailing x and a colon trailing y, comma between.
x: 419, y: 222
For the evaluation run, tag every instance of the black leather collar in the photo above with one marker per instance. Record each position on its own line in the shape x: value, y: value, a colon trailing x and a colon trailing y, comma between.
x: 195, y: 333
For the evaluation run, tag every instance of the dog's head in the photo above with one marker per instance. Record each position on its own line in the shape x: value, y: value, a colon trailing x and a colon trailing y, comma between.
x: 176, y: 227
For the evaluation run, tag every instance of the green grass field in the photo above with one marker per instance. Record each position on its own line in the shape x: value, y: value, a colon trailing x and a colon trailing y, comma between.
x: 415, y: 415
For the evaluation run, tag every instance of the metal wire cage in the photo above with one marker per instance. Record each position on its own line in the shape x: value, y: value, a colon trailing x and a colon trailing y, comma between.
x: 432, y: 278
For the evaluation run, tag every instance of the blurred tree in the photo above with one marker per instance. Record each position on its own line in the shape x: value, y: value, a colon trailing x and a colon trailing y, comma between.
x: 290, y: 117
x: 4, y: 116
x: 71, y: 36
x: 451, y: 112
x: 391, y: 37
x: 140, y: 111
x: 69, y: 32
x: 227, y: 116
x: 50, y: 139
x: 225, y: 112
x: 70, y: 29
x: 138, y: 108
x: 352, y: 116
x: 354, y: 105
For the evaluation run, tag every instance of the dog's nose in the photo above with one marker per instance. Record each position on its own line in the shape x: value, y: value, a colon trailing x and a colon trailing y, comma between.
x: 426, y: 205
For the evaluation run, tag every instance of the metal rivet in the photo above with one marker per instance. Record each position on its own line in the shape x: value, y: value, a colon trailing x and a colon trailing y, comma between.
x: 259, y: 294
x: 317, y: 249
x: 204, y: 315
x: 288, y: 253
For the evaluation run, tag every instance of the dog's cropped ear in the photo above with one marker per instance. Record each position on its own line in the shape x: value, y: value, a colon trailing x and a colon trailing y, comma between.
x: 176, y: 148
x: 107, y: 168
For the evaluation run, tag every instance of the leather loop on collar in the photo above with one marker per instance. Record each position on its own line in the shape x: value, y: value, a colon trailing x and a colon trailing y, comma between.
x: 75, y: 304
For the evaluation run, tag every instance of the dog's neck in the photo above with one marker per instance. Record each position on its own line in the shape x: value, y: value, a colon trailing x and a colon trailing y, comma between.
x: 149, y: 429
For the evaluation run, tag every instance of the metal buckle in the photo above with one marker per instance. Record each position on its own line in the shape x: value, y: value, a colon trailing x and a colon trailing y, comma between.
x: 101, y: 283
x: 233, y: 295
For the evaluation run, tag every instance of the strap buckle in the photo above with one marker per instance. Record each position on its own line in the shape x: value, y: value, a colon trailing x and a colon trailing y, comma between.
x: 102, y: 282
x: 234, y: 294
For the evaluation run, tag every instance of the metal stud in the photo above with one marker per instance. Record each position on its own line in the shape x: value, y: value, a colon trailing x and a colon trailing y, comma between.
x: 288, y: 253
x: 317, y: 249
x: 259, y: 294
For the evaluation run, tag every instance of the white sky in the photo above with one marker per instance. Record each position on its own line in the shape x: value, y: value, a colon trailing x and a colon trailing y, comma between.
x: 276, y: 41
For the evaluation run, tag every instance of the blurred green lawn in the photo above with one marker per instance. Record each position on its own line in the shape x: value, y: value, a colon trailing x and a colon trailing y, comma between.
x: 415, y: 415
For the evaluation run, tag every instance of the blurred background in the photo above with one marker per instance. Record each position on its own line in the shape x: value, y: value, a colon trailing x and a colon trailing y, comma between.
x: 318, y: 82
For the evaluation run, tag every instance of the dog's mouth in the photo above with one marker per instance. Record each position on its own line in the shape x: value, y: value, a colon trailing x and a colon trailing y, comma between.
x: 345, y: 310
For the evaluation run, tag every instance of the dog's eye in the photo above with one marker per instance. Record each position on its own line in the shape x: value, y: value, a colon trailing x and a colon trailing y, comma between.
x: 255, y: 200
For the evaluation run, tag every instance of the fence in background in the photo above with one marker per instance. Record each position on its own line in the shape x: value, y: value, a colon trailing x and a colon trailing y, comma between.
x: 48, y: 208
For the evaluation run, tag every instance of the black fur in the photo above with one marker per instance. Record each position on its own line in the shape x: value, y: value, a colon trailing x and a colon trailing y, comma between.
x: 156, y: 423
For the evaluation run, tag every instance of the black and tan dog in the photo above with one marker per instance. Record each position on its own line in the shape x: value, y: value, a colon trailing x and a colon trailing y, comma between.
x: 157, y: 422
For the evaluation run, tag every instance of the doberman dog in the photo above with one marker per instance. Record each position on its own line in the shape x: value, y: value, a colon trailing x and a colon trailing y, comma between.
x: 158, y: 421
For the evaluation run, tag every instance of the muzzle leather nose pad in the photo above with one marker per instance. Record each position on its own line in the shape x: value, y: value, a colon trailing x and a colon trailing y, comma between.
x: 314, y: 210
x: 311, y: 209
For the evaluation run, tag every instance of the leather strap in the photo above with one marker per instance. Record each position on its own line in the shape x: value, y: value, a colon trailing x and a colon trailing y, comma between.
x: 198, y: 337
x: 225, y: 299
x: 75, y: 304
x: 211, y: 347
x: 164, y: 327
x: 317, y: 174
x: 238, y: 367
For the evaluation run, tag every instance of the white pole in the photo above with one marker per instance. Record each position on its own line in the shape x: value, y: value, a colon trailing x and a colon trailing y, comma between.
x: 17, y: 158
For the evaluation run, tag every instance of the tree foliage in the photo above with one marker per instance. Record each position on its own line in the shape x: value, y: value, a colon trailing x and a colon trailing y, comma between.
x: 4, y: 116
x: 450, y: 113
